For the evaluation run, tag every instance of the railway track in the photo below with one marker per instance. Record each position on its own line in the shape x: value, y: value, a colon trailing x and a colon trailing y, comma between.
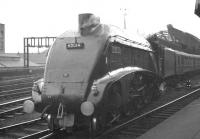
x: 15, y: 93
x: 131, y: 128
x: 18, y: 77
x: 32, y: 129
x: 138, y: 125
x: 12, y: 95
x: 16, y: 85
x: 12, y: 108
x: 21, y: 79
x: 16, y: 88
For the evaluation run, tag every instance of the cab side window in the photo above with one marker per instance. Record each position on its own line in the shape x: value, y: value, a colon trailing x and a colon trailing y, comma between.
x: 126, y: 56
x: 115, y: 60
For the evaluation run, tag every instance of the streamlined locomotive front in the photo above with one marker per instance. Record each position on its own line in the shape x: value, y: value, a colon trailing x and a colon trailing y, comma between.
x: 69, y: 68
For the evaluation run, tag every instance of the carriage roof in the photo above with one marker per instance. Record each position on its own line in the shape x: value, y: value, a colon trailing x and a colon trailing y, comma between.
x: 182, y: 53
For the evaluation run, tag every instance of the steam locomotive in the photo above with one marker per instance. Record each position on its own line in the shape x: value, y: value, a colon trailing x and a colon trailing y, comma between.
x: 95, y: 75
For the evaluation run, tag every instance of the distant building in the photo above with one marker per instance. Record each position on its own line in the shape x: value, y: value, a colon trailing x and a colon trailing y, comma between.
x: 2, y: 38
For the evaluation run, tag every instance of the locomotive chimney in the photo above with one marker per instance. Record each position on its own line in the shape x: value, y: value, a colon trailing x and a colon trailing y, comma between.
x: 88, y: 23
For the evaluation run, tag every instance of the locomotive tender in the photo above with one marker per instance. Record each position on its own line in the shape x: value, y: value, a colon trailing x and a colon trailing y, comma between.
x: 99, y: 73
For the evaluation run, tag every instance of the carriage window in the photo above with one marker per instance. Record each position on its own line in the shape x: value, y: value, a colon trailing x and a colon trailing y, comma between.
x: 182, y: 60
x: 116, y: 49
x: 178, y: 60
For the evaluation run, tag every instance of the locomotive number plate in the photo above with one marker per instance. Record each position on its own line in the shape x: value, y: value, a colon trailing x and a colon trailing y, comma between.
x: 75, y: 45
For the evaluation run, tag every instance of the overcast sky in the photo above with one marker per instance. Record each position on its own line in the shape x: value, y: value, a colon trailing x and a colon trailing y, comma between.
x: 31, y: 18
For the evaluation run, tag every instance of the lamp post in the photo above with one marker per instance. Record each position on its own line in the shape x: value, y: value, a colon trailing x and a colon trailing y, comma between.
x: 123, y: 10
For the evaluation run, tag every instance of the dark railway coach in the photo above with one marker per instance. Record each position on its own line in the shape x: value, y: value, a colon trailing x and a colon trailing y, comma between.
x: 94, y: 76
x: 173, y: 65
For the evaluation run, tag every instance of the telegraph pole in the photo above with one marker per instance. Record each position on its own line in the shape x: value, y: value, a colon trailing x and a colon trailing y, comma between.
x: 123, y: 10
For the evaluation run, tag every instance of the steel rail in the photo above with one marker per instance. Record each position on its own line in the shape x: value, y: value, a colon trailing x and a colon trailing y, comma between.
x: 14, y: 90
x: 2, y: 129
x: 19, y: 79
x: 16, y: 84
x: 19, y: 108
x: 14, y: 101
x: 12, y: 109
x: 15, y: 94
x: 41, y: 134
